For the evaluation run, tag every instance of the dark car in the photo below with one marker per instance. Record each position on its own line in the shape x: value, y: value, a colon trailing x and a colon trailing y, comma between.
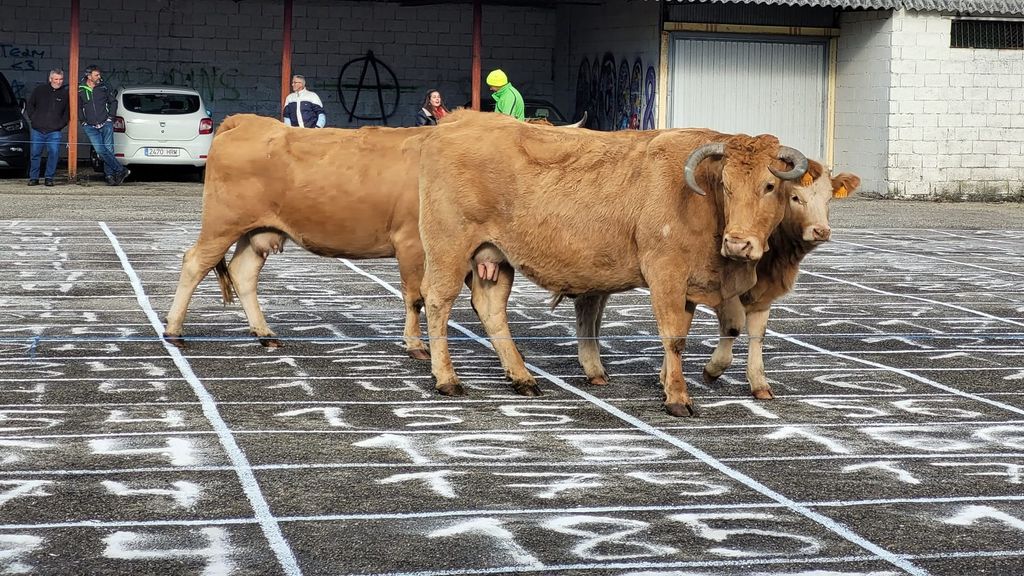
x: 532, y: 109
x: 15, y: 139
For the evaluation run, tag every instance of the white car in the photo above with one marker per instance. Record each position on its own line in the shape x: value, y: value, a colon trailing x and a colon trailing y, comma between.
x: 162, y: 125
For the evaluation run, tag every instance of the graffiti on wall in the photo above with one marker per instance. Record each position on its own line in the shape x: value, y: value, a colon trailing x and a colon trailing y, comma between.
x: 213, y: 82
x: 616, y: 95
x: 20, y: 61
x: 383, y: 89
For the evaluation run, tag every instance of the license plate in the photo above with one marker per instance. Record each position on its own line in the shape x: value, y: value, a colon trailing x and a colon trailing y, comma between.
x: 162, y: 151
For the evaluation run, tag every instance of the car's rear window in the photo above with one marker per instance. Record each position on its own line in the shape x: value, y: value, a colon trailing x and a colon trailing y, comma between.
x: 161, y: 103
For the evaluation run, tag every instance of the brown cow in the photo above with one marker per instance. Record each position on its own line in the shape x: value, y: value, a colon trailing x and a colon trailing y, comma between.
x: 334, y: 192
x: 581, y: 213
x: 338, y: 193
x: 803, y: 227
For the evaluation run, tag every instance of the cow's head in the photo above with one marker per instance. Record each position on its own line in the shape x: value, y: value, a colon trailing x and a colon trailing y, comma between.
x: 751, y: 171
x: 808, y: 199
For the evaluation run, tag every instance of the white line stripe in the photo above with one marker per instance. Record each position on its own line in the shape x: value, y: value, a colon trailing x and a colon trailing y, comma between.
x: 522, y: 431
x: 504, y: 512
x: 428, y: 465
x: 828, y: 523
x: 917, y: 298
x: 245, y: 475
x: 918, y: 255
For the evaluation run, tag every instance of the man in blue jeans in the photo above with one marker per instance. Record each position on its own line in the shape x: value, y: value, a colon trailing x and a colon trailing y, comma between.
x: 47, y: 111
x: 97, y: 108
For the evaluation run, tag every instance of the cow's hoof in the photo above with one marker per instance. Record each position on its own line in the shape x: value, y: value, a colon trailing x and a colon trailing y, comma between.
x: 270, y: 343
x: 601, y: 380
x: 708, y: 378
x: 680, y: 410
x: 527, y: 388
x: 764, y: 394
x: 176, y: 340
x: 419, y: 354
x: 452, y: 389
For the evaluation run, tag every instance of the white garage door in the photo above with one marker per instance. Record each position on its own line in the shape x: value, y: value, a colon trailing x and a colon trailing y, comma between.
x: 753, y: 86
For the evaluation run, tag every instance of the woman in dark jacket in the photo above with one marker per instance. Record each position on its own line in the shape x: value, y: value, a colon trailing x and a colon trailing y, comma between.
x: 432, y: 111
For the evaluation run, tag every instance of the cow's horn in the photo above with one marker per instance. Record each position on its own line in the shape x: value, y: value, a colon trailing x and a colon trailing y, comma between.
x: 794, y: 157
x: 580, y: 123
x: 716, y: 150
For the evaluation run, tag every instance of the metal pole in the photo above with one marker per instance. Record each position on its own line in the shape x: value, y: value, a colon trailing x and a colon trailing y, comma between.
x: 477, y: 43
x: 72, y: 78
x: 286, y: 53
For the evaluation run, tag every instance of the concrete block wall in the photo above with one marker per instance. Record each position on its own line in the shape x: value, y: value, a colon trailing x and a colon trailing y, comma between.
x: 231, y: 51
x: 862, y: 98
x: 957, y: 115
x: 627, y: 31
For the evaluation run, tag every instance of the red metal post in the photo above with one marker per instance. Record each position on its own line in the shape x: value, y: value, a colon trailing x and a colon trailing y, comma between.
x: 72, y: 80
x: 286, y: 53
x: 477, y: 43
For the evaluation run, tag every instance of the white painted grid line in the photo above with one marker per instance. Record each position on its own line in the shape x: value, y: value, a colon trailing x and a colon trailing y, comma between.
x: 711, y: 461
x: 250, y: 486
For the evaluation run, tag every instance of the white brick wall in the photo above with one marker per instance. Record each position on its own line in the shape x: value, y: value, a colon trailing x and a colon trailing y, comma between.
x: 231, y: 51
x: 862, y: 115
x: 966, y: 105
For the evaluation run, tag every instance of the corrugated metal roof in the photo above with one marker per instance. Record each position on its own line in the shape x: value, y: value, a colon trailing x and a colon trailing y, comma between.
x: 971, y: 6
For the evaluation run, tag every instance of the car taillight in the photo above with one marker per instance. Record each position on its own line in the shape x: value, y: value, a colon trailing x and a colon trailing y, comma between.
x: 118, y: 124
x: 206, y: 126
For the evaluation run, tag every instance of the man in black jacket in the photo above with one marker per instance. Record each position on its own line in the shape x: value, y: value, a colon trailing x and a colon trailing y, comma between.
x: 47, y: 110
x: 97, y: 108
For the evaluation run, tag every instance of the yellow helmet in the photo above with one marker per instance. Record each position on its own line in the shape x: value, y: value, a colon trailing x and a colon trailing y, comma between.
x: 497, y: 78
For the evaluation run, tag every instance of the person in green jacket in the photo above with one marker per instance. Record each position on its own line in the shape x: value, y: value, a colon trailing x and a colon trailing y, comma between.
x: 507, y: 100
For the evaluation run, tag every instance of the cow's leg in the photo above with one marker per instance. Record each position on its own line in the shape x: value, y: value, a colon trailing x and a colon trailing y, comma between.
x: 757, y: 325
x: 410, y: 268
x: 674, y: 315
x: 197, y: 262
x: 730, y: 319
x: 244, y: 269
x: 589, y: 309
x: 490, y: 300
x: 443, y: 282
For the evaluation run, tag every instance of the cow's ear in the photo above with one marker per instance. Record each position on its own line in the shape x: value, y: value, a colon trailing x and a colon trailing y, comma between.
x: 814, y: 171
x: 844, y: 184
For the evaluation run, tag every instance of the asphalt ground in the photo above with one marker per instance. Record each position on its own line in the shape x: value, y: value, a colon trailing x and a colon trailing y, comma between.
x: 895, y: 444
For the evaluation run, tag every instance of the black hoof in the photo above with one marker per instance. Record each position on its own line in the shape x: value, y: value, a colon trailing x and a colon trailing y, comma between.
x: 680, y: 410
x: 455, y: 389
x: 708, y: 378
x: 270, y: 342
x: 419, y: 354
x: 527, y: 389
x: 176, y: 340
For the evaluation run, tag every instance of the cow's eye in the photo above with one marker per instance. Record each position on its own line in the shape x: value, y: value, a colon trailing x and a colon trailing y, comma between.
x: 769, y: 188
x: 796, y: 199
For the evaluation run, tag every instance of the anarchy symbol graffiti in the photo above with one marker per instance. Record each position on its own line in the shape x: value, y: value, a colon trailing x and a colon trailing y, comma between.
x: 386, y: 88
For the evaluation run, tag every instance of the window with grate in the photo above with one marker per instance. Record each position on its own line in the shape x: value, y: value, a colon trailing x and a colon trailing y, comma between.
x: 996, y: 34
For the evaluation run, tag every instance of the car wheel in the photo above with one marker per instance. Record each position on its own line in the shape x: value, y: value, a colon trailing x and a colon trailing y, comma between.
x: 201, y: 174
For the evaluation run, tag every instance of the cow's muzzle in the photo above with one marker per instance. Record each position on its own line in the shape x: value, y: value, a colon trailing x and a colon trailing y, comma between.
x: 740, y: 247
x: 817, y: 234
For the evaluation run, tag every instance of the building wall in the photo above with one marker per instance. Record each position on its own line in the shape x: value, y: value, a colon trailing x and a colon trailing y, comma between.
x: 862, y: 98
x: 231, y: 51
x: 956, y: 123
x: 592, y: 40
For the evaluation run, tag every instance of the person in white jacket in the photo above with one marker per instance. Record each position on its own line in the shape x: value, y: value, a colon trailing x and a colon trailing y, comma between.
x: 303, y: 108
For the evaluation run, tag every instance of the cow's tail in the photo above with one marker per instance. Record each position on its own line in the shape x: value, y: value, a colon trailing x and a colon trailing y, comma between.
x: 224, y: 279
x: 556, y: 300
